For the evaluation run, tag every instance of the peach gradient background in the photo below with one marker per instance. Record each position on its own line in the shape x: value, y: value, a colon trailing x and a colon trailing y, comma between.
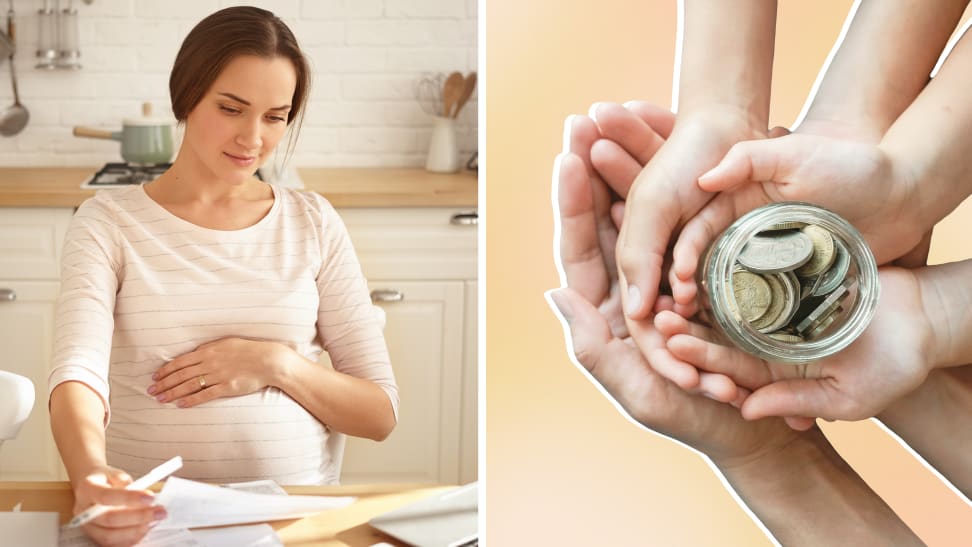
x: 563, y: 467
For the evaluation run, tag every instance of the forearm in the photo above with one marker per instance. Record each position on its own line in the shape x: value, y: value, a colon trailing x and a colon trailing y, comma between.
x: 806, y: 494
x: 883, y: 63
x: 77, y: 422
x: 727, y: 58
x: 930, y: 141
x: 940, y: 409
x: 946, y: 293
x: 354, y: 406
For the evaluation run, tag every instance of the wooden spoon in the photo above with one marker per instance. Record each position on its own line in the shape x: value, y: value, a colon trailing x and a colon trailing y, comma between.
x: 451, y: 91
x: 469, y: 84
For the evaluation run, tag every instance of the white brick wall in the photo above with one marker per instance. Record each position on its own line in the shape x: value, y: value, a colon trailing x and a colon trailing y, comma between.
x: 366, y: 56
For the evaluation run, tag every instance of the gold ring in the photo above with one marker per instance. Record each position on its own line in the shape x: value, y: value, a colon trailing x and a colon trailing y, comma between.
x: 202, y: 381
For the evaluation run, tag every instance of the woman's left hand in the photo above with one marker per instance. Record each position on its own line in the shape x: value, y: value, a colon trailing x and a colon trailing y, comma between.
x: 223, y: 368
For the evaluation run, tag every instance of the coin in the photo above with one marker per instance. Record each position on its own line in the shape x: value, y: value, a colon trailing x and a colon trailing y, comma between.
x: 785, y: 337
x: 780, y: 252
x: 830, y: 279
x: 786, y: 225
x: 825, y: 308
x: 824, y: 323
x: 778, y: 303
x: 823, y: 251
x: 752, y: 294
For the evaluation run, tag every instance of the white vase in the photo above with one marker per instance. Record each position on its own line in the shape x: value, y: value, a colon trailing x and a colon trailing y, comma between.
x: 443, y: 147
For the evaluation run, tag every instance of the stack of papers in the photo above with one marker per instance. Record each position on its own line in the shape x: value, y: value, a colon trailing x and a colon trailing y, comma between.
x: 192, y: 504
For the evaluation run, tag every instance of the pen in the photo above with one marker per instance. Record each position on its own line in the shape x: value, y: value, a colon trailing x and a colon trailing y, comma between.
x: 149, y: 479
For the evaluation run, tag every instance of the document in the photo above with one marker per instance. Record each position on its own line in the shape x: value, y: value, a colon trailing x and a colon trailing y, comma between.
x: 258, y: 535
x: 193, y: 504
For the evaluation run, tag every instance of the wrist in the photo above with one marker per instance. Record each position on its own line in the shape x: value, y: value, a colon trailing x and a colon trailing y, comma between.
x: 281, y: 364
x: 732, y: 122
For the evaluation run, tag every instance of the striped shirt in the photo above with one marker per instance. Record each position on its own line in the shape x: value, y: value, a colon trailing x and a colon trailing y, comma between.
x: 141, y: 286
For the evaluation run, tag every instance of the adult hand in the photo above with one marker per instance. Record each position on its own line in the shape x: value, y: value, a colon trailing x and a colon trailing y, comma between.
x: 855, y: 179
x: 132, y: 512
x: 888, y: 361
x: 601, y: 344
x: 223, y: 368
x: 665, y: 196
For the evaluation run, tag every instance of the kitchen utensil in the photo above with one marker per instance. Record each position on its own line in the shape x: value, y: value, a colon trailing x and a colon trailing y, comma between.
x: 14, y: 118
x: 469, y: 84
x: 145, y: 140
x: 451, y: 91
x: 69, y: 55
x: 428, y: 92
x: 46, y: 37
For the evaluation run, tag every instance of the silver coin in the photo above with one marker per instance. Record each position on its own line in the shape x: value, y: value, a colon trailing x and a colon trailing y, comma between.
x: 832, y: 278
x: 826, y: 307
x: 786, y: 337
x: 780, y: 252
x: 785, y: 225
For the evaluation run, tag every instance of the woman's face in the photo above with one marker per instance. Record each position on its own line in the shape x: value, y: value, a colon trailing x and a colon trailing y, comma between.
x: 241, y: 118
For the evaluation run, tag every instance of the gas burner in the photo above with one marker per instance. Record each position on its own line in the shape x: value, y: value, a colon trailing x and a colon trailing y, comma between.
x: 116, y: 175
x: 125, y: 174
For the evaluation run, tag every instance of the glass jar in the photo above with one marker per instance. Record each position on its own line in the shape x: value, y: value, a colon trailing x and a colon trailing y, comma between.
x: 761, y: 291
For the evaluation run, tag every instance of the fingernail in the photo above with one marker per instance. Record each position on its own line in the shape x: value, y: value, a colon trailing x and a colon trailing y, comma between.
x: 709, y: 395
x: 633, y: 303
x: 159, y: 514
x: 592, y: 111
x: 560, y: 305
x: 181, y: 403
x: 146, y: 500
x: 152, y: 389
x: 155, y: 376
x: 161, y: 398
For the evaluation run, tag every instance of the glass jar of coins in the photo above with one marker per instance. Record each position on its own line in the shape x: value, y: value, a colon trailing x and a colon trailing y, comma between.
x: 790, y: 283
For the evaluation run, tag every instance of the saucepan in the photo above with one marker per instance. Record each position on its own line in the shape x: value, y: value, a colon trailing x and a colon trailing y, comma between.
x: 145, y: 140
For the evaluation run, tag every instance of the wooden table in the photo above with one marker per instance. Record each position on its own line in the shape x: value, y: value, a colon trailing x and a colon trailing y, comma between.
x: 346, y: 526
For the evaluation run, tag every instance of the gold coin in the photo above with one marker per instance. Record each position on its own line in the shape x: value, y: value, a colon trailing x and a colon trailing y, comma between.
x: 778, y: 303
x: 823, y: 251
x: 786, y: 337
x: 752, y: 294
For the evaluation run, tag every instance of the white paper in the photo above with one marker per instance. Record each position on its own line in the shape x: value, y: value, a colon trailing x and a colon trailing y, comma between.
x: 258, y: 487
x: 255, y: 535
x: 193, y: 504
x: 29, y: 528
x: 258, y: 535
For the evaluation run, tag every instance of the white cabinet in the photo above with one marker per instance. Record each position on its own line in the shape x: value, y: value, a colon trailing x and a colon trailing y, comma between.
x: 421, y: 267
x: 30, y: 246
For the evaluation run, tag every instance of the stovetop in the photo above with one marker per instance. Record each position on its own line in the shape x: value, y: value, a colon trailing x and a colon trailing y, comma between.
x: 124, y: 174
x: 115, y: 175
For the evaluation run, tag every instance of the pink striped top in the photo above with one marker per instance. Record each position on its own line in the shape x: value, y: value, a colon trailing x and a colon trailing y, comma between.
x: 141, y: 286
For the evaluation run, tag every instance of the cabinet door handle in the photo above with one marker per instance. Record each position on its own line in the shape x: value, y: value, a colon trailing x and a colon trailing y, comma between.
x: 465, y: 219
x: 7, y: 295
x: 387, y: 295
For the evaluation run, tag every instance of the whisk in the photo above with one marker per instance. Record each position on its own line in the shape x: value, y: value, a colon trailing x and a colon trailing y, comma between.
x: 428, y: 92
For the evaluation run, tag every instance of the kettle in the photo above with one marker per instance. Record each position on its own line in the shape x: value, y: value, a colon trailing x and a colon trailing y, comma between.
x: 144, y: 141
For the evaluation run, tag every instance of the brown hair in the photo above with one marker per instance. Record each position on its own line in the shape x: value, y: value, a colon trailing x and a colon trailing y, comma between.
x: 221, y: 37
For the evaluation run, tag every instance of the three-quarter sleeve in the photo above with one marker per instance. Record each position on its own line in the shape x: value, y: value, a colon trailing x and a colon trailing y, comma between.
x: 84, y: 320
x: 350, y: 330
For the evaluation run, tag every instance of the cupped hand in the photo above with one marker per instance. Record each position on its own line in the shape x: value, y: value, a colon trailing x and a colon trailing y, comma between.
x: 857, y: 180
x: 223, y: 368
x: 133, y: 512
x: 601, y: 345
x: 665, y: 195
x: 888, y: 361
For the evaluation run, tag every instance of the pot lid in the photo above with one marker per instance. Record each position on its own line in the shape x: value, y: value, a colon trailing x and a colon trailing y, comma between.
x: 146, y: 120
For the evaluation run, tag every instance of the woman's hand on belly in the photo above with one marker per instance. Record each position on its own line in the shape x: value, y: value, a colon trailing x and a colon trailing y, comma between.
x: 228, y: 367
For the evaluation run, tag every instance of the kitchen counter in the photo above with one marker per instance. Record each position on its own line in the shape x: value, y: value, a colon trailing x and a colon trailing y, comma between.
x: 343, y: 187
